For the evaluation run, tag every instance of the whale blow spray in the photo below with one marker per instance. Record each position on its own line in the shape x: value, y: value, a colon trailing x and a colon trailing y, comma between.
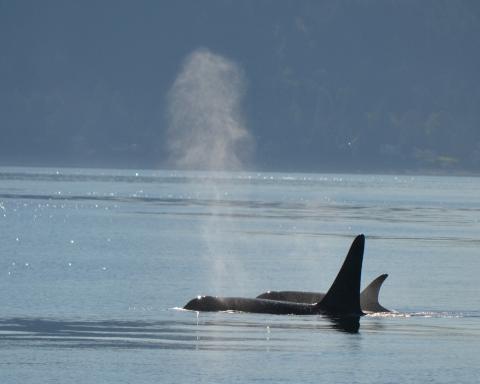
x: 207, y: 132
x: 206, y: 127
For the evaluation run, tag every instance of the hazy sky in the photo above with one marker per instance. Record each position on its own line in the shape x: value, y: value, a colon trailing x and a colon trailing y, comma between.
x: 308, y: 85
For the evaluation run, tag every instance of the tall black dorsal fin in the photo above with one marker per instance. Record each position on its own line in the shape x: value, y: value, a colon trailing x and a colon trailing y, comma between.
x: 343, y: 297
x: 369, y: 296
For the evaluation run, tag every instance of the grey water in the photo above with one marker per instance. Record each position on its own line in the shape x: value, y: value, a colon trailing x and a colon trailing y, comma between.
x: 96, y: 264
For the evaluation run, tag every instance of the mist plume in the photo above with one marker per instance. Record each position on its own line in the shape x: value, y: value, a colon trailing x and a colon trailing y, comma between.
x: 206, y: 127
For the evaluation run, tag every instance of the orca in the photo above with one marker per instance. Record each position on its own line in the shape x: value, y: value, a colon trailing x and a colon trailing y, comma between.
x: 368, y: 297
x: 342, y: 299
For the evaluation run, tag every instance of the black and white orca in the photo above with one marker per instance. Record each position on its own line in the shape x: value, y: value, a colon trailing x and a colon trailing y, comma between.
x: 368, y: 297
x: 342, y: 299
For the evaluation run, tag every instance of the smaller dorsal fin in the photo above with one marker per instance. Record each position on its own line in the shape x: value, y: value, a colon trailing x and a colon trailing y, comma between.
x: 369, y: 296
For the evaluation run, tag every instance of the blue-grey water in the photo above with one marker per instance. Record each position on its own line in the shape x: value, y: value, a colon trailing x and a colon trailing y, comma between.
x: 94, y: 265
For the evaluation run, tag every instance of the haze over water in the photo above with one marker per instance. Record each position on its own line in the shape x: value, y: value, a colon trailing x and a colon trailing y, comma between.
x: 94, y: 263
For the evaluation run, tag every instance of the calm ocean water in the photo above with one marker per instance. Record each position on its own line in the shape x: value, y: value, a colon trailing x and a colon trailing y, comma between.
x: 95, y: 264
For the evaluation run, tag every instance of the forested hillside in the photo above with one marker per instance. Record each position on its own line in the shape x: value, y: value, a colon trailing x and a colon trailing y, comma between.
x: 329, y: 85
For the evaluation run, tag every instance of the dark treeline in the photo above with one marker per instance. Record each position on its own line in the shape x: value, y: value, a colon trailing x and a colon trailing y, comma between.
x: 332, y: 85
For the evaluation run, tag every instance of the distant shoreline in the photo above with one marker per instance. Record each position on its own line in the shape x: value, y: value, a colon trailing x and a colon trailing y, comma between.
x: 329, y: 170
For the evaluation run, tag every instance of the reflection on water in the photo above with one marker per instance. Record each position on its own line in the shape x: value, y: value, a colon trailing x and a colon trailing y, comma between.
x: 299, y: 198
x: 196, y: 333
x: 348, y: 324
x: 220, y: 331
x: 257, y: 209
